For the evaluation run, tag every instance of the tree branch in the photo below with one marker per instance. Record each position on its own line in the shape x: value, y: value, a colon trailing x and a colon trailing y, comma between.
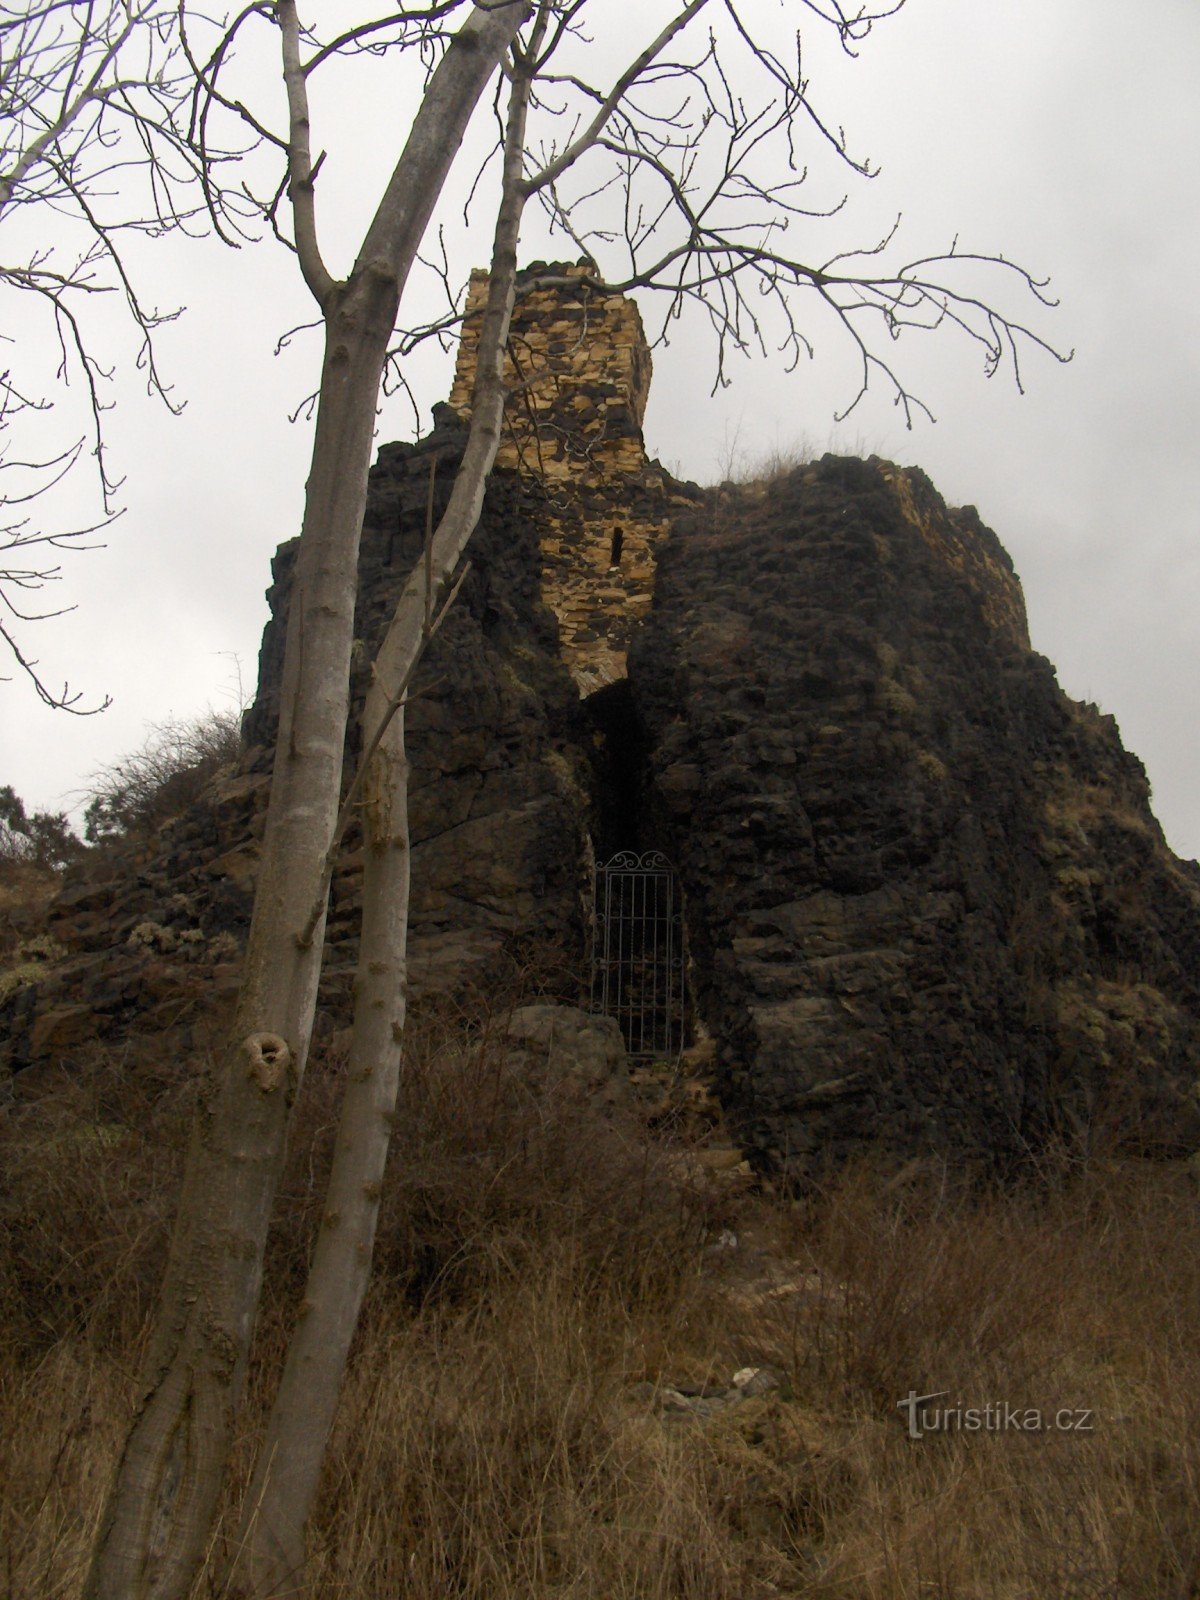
x: 554, y: 169
x: 301, y: 189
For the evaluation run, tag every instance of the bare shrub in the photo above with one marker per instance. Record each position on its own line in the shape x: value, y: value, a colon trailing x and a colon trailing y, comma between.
x: 737, y: 464
x: 761, y: 468
x: 142, y: 790
x: 484, y: 1177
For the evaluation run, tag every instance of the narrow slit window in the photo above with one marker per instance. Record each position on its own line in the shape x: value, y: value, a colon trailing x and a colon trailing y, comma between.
x: 618, y: 543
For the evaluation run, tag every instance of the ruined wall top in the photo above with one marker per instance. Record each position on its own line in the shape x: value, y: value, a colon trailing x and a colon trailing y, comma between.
x: 577, y: 371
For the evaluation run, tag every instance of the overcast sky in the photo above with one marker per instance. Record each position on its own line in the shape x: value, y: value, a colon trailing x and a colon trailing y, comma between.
x: 1063, y: 133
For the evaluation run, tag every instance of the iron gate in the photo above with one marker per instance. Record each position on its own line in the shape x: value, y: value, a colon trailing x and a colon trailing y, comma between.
x: 638, y: 952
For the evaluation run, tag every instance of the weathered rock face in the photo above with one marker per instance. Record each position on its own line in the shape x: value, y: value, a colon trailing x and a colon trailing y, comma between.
x: 928, y: 902
x: 501, y: 751
x: 150, y: 933
x: 496, y: 813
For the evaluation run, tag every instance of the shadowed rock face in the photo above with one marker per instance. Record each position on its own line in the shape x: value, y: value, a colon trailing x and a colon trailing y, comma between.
x: 928, y: 902
x: 497, y: 819
x: 150, y: 931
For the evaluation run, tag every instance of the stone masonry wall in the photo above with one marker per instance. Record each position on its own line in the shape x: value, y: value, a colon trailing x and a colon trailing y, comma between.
x: 579, y: 368
x: 578, y: 373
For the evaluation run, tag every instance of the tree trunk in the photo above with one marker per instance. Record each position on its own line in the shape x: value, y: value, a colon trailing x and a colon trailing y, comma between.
x: 271, y: 1555
x: 161, y: 1507
x: 270, y: 1548
x: 171, y: 1471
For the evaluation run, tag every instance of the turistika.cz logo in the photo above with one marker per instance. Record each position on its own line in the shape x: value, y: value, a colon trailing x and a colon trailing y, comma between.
x: 997, y: 1416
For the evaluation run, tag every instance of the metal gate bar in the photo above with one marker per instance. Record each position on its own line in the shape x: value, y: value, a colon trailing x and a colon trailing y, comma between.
x: 638, y: 952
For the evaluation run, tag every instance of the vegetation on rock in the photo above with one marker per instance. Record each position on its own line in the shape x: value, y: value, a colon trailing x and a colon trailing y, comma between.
x: 42, y: 839
x: 141, y: 790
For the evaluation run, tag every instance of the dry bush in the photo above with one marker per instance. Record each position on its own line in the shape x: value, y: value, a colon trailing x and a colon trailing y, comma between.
x: 499, y: 1443
x: 759, y: 469
x: 539, y: 1259
x: 140, y: 791
x: 503, y: 1447
x: 486, y: 1194
x: 88, y: 1176
x: 493, y: 1166
x: 26, y: 892
x: 485, y: 1173
x: 737, y: 465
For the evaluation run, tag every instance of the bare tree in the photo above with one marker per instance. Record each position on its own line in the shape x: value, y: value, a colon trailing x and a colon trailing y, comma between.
x: 682, y: 174
x: 170, y: 1475
x: 91, y: 97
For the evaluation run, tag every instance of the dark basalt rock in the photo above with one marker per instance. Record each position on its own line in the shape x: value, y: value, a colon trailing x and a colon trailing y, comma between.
x: 152, y: 929
x: 497, y: 824
x: 927, y: 900
x: 927, y: 903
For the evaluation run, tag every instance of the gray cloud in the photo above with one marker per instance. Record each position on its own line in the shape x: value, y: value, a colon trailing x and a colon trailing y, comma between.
x: 1064, y: 135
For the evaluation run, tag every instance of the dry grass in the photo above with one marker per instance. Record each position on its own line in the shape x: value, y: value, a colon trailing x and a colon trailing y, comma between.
x: 1079, y: 1295
x: 26, y: 891
x: 545, y: 1271
x: 759, y: 469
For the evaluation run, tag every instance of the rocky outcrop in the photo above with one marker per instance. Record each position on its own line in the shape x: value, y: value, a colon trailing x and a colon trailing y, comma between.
x: 927, y: 900
x: 149, y: 932
x: 927, y: 903
x: 497, y: 814
x: 501, y: 753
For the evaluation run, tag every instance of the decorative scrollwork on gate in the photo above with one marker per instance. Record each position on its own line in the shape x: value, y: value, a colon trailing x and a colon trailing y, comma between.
x: 638, y: 953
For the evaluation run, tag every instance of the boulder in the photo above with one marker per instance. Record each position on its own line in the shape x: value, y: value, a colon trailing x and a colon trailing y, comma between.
x: 575, y: 1047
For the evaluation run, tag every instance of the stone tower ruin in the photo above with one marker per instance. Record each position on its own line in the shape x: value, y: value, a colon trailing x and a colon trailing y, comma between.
x: 578, y: 373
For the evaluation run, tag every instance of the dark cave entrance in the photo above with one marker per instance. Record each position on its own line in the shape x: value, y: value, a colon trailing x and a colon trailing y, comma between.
x: 620, y: 752
x: 638, y: 956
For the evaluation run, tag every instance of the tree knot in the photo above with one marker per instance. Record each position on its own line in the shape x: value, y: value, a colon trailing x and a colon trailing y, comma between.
x: 268, y: 1060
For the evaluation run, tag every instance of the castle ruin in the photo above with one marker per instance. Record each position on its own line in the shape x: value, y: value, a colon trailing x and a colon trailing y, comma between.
x: 578, y: 373
x: 927, y: 904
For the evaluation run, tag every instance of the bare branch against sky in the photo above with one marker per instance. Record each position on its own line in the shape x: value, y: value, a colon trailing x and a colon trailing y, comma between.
x: 1021, y: 127
x: 94, y: 153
